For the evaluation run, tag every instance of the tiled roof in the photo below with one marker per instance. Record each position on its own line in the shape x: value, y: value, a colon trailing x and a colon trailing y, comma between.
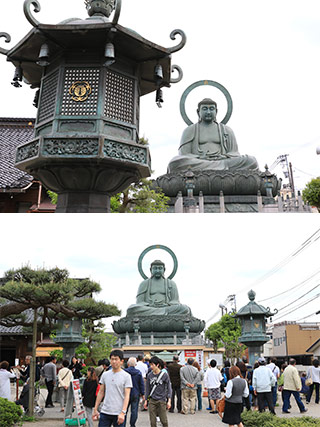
x: 18, y: 330
x: 13, y: 132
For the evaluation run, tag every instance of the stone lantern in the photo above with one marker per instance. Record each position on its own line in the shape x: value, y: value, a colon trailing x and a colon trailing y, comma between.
x: 69, y: 335
x: 89, y: 75
x: 253, y: 318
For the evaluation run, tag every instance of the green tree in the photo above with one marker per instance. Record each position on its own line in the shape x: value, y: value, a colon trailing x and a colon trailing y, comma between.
x: 311, y: 194
x: 225, y: 333
x: 140, y: 198
x: 52, y: 295
x: 58, y: 354
x: 98, y: 342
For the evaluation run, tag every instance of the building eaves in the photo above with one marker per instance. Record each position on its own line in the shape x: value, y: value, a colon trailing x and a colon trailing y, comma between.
x: 13, y: 132
x: 309, y: 350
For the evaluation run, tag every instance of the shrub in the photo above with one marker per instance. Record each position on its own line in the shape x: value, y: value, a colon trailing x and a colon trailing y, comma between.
x: 10, y: 413
x: 257, y: 419
x: 265, y: 419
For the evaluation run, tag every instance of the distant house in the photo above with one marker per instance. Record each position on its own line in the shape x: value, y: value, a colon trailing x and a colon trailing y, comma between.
x: 19, y: 191
x: 16, y: 342
x: 315, y: 349
x: 297, y: 340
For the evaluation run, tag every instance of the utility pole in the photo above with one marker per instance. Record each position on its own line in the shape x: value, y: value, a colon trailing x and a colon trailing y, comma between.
x: 291, y: 176
x: 283, y: 158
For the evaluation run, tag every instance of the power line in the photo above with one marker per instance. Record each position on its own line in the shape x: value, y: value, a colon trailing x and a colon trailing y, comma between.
x: 297, y: 308
x: 306, y: 173
x: 314, y: 237
x: 292, y: 302
x: 306, y: 317
x: 291, y: 289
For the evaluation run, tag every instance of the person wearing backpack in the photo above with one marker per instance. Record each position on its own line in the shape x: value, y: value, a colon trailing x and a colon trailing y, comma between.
x: 158, y: 392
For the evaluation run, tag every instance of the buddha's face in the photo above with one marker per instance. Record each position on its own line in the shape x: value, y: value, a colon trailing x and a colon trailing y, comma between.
x: 208, y: 113
x: 157, y: 270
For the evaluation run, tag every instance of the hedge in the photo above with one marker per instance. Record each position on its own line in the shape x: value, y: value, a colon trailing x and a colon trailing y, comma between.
x: 265, y: 419
x: 10, y: 413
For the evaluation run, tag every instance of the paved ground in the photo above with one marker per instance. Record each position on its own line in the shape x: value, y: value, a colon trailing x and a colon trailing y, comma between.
x: 54, y: 418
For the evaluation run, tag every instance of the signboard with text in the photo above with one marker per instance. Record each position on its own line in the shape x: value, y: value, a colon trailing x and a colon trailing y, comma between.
x: 194, y: 354
x: 80, y: 411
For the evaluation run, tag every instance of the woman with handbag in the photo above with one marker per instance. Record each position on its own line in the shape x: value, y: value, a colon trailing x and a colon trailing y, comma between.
x: 237, y: 388
x: 64, y: 378
x: 313, y: 380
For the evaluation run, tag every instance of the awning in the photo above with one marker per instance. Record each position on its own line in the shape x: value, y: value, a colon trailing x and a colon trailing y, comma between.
x: 45, y: 351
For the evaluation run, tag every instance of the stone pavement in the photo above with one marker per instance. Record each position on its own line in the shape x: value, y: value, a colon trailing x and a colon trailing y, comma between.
x: 54, y: 418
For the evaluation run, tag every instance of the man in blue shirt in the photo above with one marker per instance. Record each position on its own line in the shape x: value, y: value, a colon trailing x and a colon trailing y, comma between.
x: 136, y: 391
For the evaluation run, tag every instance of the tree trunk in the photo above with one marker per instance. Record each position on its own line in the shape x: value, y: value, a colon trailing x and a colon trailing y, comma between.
x: 33, y: 364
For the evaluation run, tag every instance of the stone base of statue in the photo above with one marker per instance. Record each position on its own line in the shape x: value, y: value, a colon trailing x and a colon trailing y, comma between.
x: 240, y: 189
x: 211, y: 183
x: 222, y: 204
x: 153, y: 330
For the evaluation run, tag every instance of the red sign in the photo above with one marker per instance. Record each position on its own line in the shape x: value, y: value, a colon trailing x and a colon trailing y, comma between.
x: 190, y: 353
x: 78, y: 398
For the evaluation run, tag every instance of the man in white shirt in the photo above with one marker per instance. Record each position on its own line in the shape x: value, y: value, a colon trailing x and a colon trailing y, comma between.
x: 262, y: 381
x: 143, y: 368
x: 276, y: 372
x: 212, y: 382
x: 115, y: 387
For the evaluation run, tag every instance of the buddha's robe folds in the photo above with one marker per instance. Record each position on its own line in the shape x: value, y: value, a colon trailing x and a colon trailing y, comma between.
x: 158, y: 298
x: 220, y: 153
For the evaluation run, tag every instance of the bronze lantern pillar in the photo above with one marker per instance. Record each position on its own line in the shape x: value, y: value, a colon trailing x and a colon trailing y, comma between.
x: 253, y: 318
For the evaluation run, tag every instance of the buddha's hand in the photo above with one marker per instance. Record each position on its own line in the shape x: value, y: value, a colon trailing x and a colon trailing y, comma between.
x: 158, y: 304
x: 215, y: 156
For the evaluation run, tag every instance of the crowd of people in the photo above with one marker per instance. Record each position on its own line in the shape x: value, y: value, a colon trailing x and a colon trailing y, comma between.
x: 111, y: 389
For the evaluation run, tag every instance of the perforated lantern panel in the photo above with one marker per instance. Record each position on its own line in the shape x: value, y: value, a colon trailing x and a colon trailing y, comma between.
x: 47, y: 102
x: 119, y: 102
x: 83, y: 101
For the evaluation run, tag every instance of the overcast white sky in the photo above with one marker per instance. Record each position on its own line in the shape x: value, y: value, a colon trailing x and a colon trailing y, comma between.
x: 265, y: 52
x: 218, y: 255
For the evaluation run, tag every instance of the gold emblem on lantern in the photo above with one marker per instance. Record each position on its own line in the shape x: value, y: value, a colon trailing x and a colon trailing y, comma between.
x: 256, y: 324
x: 80, y: 91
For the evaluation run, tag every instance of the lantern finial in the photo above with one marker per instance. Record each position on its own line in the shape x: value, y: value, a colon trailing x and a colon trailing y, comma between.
x: 251, y: 295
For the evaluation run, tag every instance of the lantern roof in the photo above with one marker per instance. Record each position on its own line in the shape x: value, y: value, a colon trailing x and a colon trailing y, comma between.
x: 88, y: 35
x: 252, y: 308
